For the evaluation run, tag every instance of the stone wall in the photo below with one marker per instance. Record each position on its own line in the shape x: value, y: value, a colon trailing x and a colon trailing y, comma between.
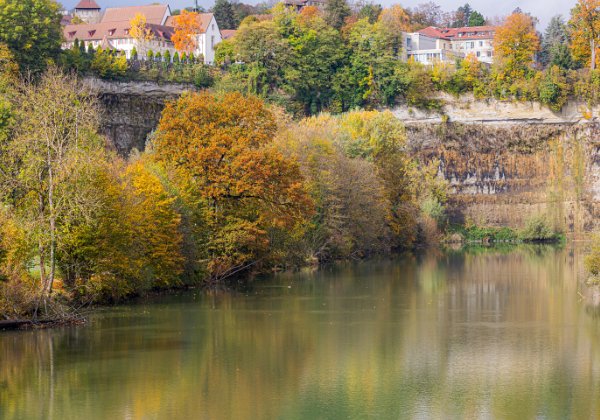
x: 131, y: 110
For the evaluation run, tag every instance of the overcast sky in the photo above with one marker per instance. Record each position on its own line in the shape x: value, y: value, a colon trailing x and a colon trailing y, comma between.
x: 543, y: 9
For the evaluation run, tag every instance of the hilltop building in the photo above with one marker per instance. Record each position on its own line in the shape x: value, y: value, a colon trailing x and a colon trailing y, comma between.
x: 88, y: 11
x: 433, y: 44
x: 300, y: 4
x: 111, y: 30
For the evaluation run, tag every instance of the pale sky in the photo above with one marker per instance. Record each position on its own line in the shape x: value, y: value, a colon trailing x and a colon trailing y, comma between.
x: 542, y: 9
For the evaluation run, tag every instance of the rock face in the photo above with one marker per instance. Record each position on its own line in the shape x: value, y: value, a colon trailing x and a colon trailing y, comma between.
x: 504, y: 174
x: 505, y: 162
x: 131, y: 110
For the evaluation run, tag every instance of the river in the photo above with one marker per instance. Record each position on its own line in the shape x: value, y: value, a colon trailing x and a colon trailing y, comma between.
x: 481, y: 334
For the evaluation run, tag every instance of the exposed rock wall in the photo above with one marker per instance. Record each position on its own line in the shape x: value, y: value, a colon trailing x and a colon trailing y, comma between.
x: 131, y: 110
x: 505, y: 162
x: 504, y: 174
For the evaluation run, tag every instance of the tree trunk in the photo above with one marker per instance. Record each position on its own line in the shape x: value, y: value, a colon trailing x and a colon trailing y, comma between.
x: 593, y: 47
x: 52, y: 228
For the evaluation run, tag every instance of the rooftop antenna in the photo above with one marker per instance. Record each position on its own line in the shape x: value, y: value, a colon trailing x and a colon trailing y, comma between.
x: 196, y: 3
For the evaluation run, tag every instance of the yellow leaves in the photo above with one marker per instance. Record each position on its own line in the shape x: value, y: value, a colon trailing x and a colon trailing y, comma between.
x: 395, y: 19
x: 139, y: 29
x: 515, y: 44
x: 187, y: 28
x: 585, y: 30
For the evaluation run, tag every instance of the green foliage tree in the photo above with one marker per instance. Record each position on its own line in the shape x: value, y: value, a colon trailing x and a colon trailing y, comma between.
x: 31, y: 30
x: 555, y: 45
x: 55, y: 132
x: 476, y: 19
x: 370, y: 11
x: 462, y: 15
x: 224, y: 14
x: 336, y: 12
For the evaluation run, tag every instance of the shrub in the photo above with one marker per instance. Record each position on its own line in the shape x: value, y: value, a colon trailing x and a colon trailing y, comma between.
x: 538, y: 229
x: 592, y: 260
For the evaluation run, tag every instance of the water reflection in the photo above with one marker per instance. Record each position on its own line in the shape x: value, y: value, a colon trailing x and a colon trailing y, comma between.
x: 498, y: 334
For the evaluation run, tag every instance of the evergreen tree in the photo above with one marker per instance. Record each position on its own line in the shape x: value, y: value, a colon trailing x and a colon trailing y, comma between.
x: 336, y: 12
x: 555, y: 43
x: 224, y: 15
x: 462, y: 15
x: 476, y: 19
x: 370, y: 11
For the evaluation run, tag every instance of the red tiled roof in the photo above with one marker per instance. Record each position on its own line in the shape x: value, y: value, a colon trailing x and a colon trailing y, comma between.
x: 228, y: 33
x: 111, y: 30
x: 479, y: 32
x: 66, y: 20
x: 203, y: 19
x: 87, y: 4
x: 154, y: 13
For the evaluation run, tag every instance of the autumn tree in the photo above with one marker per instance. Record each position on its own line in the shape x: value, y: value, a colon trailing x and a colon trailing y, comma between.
x: 31, y: 30
x: 221, y: 149
x: 56, y: 128
x: 462, y: 15
x: 187, y: 28
x: 515, y: 45
x: 141, y: 33
x: 8, y: 79
x: 585, y: 31
x: 426, y: 14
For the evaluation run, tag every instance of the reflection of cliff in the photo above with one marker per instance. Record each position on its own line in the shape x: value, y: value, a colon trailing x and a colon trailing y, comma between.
x: 502, y: 174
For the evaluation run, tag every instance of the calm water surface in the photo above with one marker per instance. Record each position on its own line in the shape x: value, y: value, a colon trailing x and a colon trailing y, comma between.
x: 462, y: 335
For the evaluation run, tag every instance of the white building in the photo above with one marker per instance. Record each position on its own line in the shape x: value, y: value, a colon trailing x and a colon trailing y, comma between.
x: 208, y: 37
x: 113, y: 31
x: 447, y: 44
x: 115, y: 35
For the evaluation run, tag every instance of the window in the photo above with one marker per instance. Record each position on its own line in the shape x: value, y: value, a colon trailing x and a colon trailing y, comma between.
x: 213, y: 26
x: 489, y: 54
x: 478, y: 53
x: 111, y: 32
x: 212, y: 41
x: 481, y: 43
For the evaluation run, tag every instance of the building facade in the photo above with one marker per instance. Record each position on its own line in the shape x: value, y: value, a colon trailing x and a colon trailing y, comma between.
x: 432, y: 44
x: 113, y: 31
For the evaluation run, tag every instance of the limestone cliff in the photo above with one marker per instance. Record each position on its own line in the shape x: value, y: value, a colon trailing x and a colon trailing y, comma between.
x: 131, y: 110
x: 505, y: 162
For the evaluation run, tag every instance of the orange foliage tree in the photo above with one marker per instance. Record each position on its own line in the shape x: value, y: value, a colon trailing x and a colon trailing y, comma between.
x: 515, y: 45
x: 221, y: 148
x: 585, y: 31
x: 187, y: 27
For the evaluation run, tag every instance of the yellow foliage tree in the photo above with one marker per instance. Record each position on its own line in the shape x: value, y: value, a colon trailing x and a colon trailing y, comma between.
x: 187, y: 28
x: 515, y: 45
x: 140, y: 32
x: 585, y: 31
